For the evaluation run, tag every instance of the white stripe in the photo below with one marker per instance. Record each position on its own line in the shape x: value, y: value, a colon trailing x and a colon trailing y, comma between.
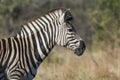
x: 53, y: 26
x: 24, y: 51
x: 27, y: 29
x: 43, y: 24
x: 27, y: 52
x: 49, y: 17
x: 12, y: 55
x: 44, y: 43
x: 18, y: 36
x: 7, y: 50
x: 22, y: 33
x: 46, y: 33
x: 56, y: 13
x: 37, y: 42
x: 31, y: 43
x: 32, y: 69
x: 49, y: 28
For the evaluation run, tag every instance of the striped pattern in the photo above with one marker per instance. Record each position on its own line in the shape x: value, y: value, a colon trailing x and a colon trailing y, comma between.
x: 21, y: 55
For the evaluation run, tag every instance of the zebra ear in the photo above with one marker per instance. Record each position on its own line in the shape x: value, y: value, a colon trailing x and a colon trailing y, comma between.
x: 68, y: 16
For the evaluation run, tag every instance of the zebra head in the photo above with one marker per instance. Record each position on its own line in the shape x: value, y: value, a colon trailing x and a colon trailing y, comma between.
x: 67, y: 36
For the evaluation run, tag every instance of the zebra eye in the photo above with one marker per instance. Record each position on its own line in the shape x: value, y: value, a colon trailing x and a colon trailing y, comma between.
x: 70, y: 30
x: 70, y: 27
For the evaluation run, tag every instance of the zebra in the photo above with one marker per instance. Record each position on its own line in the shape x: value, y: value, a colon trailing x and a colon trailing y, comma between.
x: 22, y: 54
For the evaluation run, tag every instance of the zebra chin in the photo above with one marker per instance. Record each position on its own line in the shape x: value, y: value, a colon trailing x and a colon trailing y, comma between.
x: 80, y: 50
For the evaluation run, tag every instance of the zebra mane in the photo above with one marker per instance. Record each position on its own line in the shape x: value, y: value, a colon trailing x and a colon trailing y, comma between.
x: 56, y: 9
x: 63, y: 10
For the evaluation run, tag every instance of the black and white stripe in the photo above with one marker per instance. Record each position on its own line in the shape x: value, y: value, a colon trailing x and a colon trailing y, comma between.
x: 21, y: 55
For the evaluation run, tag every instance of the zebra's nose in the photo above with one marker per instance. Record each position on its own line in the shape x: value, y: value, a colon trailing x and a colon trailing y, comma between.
x: 82, y: 46
x: 80, y: 50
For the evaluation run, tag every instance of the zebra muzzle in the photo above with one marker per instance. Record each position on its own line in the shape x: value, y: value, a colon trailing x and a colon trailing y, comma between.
x: 80, y: 50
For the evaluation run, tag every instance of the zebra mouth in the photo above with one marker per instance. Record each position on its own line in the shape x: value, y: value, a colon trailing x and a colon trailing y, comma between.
x: 79, y: 51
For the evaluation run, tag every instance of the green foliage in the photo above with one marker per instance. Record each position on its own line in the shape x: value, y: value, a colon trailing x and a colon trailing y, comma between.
x: 7, y: 6
x: 105, y: 20
x: 8, y: 10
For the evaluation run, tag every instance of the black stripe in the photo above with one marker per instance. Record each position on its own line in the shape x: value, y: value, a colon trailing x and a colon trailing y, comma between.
x: 13, y: 60
x: 15, y: 76
x: 51, y: 41
x: 22, y: 51
x: 53, y: 26
x: 26, y: 56
x: 44, y: 36
x: 40, y: 41
x: 18, y: 44
x: 51, y: 17
x: 37, y: 56
x: 18, y: 71
x: 56, y: 25
x: 43, y: 32
x: 58, y: 30
x: 54, y: 15
x: 9, y: 54
x: 4, y: 49
x: 30, y: 53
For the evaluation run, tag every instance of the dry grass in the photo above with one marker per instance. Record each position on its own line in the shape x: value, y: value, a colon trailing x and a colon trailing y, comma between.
x: 62, y: 64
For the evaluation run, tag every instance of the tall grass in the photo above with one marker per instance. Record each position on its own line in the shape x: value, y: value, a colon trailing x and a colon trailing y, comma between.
x: 63, y: 64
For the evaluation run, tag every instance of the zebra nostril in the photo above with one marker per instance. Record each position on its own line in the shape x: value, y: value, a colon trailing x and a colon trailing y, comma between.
x: 82, y: 45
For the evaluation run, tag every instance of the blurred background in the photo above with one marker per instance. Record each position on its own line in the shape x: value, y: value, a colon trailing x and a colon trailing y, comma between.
x: 96, y: 21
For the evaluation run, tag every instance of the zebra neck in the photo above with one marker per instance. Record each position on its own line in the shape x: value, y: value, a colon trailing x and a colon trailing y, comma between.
x: 40, y: 43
